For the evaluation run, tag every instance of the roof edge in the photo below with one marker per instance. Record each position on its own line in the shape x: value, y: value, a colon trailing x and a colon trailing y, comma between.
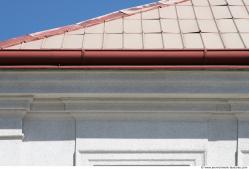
x: 230, y: 57
x: 176, y: 67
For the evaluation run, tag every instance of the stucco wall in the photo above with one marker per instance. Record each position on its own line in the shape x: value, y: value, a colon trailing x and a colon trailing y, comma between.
x: 124, y: 117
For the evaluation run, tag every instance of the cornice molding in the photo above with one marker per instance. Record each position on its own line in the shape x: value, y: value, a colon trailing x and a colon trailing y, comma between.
x: 124, y: 106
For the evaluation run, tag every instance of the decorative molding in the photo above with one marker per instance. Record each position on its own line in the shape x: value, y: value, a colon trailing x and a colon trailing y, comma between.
x: 140, y: 115
x: 242, y: 116
x: 147, y: 81
x: 245, y: 151
x: 143, y: 162
x: 152, y: 158
x: 244, y: 158
x: 10, y: 136
x: 126, y: 106
x: 17, y: 113
x: 12, y: 111
x: 49, y: 114
x: 13, y: 119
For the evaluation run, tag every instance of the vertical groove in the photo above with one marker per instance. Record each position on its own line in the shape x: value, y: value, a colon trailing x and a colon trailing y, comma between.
x: 247, y: 9
x: 42, y: 41
x: 198, y: 25
x: 103, y: 36
x: 237, y: 29
x: 142, y: 29
x: 123, y: 33
x: 21, y: 45
x: 63, y: 39
x: 215, y: 20
x: 23, y: 127
x: 75, y: 148
x: 237, y: 145
x: 83, y: 39
x: 161, y: 27
x: 42, y: 44
x: 178, y: 22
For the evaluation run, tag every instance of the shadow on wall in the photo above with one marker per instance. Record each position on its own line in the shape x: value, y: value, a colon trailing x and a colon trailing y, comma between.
x: 59, y: 129
x: 124, y: 82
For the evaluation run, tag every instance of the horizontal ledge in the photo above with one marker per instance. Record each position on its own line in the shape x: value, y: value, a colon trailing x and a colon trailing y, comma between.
x: 118, y: 58
x: 138, y: 115
x: 161, y: 112
x: 69, y: 97
x: 145, y: 112
x: 176, y: 67
x: 121, y: 151
x: 11, y: 136
x: 13, y: 112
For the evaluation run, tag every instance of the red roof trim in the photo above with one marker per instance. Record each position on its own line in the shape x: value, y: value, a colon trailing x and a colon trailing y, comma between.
x: 84, y: 24
x: 176, y: 67
x: 124, y: 57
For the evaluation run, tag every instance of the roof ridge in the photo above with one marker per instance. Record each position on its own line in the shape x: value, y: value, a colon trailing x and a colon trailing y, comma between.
x: 87, y: 23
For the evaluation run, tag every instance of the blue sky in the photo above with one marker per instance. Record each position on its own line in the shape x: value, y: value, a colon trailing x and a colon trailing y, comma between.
x: 20, y: 17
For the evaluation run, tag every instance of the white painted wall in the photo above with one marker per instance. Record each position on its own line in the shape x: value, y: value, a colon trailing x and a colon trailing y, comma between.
x: 94, y: 118
x: 48, y: 140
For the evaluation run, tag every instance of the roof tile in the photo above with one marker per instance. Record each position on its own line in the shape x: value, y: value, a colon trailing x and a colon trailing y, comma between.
x: 170, y: 26
x: 239, y: 12
x: 93, y: 41
x: 113, y: 41
x: 53, y: 42
x: 133, y: 41
x: 136, y: 16
x: 226, y: 25
x: 192, y: 40
x: 95, y: 29
x: 153, y: 14
x: 208, y: 26
x: 246, y: 2
x: 221, y: 12
x: 245, y: 37
x: 151, y: 26
x: 212, y: 41
x: 172, y: 41
x: 114, y: 26
x: 32, y: 45
x: 242, y: 25
x: 235, y: 2
x: 72, y: 42
x: 218, y: 2
x: 203, y: 12
x: 153, y: 41
x: 185, y: 3
x: 236, y: 41
x: 15, y: 47
x: 76, y: 32
x: 188, y: 26
x: 185, y: 12
x: 170, y: 13
x: 200, y: 2
x: 132, y: 26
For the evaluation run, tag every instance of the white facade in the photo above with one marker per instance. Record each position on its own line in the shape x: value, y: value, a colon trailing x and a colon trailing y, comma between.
x: 124, y: 118
x: 128, y: 117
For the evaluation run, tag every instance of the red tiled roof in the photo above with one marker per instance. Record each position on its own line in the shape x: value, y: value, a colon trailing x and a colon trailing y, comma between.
x: 87, y: 23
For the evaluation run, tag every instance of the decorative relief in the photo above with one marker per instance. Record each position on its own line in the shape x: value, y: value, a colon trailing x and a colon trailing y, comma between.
x: 245, y: 157
x: 142, y: 158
